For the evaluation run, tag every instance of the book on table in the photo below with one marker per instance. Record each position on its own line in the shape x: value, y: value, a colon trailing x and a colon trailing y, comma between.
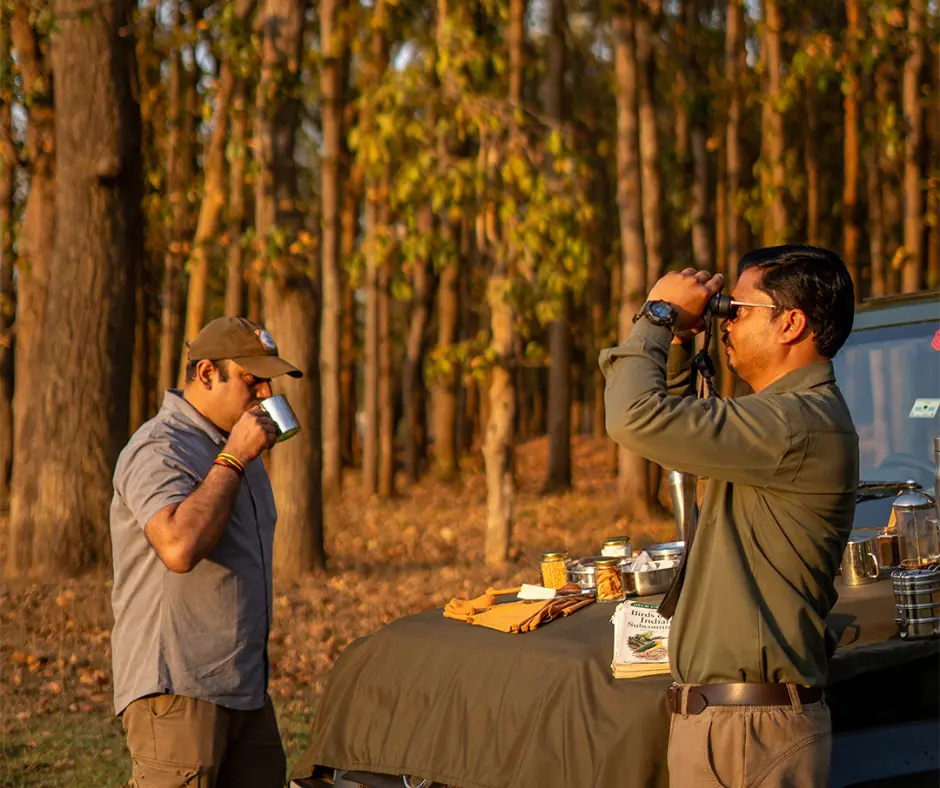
x: 641, y: 641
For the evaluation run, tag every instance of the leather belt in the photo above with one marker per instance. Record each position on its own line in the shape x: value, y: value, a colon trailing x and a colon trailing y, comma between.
x: 701, y: 696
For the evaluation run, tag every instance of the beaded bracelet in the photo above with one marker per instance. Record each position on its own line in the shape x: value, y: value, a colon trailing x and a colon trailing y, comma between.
x: 230, y: 461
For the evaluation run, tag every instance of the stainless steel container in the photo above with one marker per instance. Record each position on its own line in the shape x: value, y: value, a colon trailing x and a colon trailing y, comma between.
x: 666, y: 551
x: 281, y: 413
x: 656, y: 581
x: 860, y: 561
x: 917, y: 599
x: 582, y: 571
x: 682, y: 489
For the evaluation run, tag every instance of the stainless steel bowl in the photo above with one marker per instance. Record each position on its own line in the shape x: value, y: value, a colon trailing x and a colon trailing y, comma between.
x: 655, y: 581
x: 666, y: 551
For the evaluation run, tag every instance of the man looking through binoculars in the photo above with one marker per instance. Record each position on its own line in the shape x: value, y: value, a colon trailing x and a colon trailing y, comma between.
x: 748, y: 645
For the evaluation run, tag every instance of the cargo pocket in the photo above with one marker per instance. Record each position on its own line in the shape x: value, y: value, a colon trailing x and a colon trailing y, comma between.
x: 150, y: 773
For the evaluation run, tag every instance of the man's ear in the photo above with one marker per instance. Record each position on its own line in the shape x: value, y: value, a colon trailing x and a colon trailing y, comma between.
x: 794, y: 327
x: 204, y: 370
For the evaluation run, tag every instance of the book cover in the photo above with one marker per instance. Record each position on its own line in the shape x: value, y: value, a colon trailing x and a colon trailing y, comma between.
x: 641, y: 640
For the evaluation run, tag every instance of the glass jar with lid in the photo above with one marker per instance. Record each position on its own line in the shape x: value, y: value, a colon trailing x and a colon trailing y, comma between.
x: 608, y: 579
x: 918, y: 540
x: 618, y: 546
x: 554, y: 568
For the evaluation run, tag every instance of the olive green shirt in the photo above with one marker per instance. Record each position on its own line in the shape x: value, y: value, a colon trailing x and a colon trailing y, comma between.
x: 782, y: 470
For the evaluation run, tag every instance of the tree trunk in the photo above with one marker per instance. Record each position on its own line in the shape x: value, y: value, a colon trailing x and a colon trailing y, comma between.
x: 772, y: 145
x: 213, y: 194
x: 349, y: 403
x: 413, y: 379
x: 140, y: 372
x: 498, y: 443
x: 649, y: 143
x: 387, y: 408
x: 235, y: 275
x: 332, y: 89
x: 933, y: 127
x: 912, y: 269
x: 34, y: 265
x: 559, y: 381
x: 7, y: 295
x: 735, y: 65
x: 698, y: 142
x: 876, y: 229
x: 851, y: 232
x: 636, y: 499
x: 444, y: 391
x: 373, y: 221
x: 811, y: 161
x: 176, y: 192
x: 63, y: 483
x: 291, y: 298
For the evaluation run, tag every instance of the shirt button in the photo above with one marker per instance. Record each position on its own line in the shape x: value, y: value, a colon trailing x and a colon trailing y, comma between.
x: 706, y: 406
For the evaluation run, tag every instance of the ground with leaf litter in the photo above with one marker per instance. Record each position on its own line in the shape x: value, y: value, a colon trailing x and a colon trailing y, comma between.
x: 387, y: 559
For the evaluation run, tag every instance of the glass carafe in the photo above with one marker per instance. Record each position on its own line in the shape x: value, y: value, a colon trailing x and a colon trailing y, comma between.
x: 918, y: 540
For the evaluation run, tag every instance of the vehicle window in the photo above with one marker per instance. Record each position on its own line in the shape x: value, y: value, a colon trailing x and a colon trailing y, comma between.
x: 883, y: 373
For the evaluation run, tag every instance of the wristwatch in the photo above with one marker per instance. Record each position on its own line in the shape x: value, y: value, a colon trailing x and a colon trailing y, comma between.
x: 659, y: 313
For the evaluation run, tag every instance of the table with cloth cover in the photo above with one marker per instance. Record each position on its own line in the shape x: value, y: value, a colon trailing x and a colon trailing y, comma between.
x: 472, y: 707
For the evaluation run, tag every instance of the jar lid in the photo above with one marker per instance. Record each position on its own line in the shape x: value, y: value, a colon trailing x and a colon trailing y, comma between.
x: 613, y: 561
x: 554, y: 556
x: 912, y: 499
x: 617, y: 540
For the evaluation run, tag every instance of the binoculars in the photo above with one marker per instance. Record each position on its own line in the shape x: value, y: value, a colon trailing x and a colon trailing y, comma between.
x: 720, y: 306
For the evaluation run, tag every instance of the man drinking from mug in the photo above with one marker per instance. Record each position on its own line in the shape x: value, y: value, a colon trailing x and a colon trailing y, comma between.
x: 192, y: 530
x: 747, y: 643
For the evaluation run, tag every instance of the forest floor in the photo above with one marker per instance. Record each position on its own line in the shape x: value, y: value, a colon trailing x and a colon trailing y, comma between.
x: 387, y: 559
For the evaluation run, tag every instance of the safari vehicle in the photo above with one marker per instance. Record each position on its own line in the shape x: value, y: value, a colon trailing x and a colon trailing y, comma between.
x: 411, y: 699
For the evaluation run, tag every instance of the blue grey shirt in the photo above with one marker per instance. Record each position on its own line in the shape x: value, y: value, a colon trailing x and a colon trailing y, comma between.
x: 202, y: 634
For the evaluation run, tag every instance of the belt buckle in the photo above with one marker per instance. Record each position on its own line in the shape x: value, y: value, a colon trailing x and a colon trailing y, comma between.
x: 673, y: 696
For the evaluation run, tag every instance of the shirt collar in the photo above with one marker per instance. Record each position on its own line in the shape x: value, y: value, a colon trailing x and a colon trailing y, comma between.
x: 810, y: 376
x: 174, y: 402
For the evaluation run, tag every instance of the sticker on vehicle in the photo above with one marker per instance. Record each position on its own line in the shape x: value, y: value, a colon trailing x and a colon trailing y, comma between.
x: 925, y: 408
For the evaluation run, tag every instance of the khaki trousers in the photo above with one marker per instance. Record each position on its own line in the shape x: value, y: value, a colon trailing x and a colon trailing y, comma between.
x: 751, y: 746
x: 177, y: 741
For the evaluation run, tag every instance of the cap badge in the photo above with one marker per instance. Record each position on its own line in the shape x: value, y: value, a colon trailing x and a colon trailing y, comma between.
x: 266, y: 340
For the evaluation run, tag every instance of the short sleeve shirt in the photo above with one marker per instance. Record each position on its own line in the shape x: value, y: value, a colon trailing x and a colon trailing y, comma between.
x: 204, y: 633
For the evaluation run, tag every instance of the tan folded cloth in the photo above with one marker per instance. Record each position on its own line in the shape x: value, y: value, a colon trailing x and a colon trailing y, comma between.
x: 522, y: 616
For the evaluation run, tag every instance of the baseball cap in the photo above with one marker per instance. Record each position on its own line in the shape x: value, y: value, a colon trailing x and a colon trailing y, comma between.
x: 245, y: 343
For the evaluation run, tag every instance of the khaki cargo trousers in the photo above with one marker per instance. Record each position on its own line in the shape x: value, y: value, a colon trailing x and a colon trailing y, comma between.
x: 177, y: 741
x: 751, y: 747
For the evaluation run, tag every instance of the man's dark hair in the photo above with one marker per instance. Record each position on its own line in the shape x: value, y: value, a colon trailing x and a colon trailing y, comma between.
x: 221, y: 365
x: 811, y: 279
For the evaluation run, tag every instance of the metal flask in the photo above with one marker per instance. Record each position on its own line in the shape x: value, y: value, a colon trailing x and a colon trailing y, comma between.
x: 281, y: 413
x: 684, y: 504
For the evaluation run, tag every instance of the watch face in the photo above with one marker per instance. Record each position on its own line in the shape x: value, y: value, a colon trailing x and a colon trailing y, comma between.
x: 660, y: 310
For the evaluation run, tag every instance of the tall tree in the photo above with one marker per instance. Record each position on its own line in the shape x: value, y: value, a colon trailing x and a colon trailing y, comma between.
x: 912, y: 270
x: 735, y: 64
x: 8, y: 165
x: 213, y: 190
x: 238, y: 167
x: 62, y: 484
x: 498, y: 443
x: 332, y: 53
x: 773, y: 173
x: 444, y: 384
x: 177, y: 146
x: 375, y: 253
x: 635, y: 495
x: 291, y: 297
x: 559, y: 382
x: 34, y: 265
x: 851, y: 231
x: 647, y: 17
x: 698, y: 140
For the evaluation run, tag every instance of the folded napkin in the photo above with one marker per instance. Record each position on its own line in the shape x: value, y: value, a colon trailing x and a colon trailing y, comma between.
x: 522, y: 616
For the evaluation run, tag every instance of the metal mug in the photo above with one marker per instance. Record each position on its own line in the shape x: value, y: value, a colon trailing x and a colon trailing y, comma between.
x: 281, y: 413
x: 860, y: 562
